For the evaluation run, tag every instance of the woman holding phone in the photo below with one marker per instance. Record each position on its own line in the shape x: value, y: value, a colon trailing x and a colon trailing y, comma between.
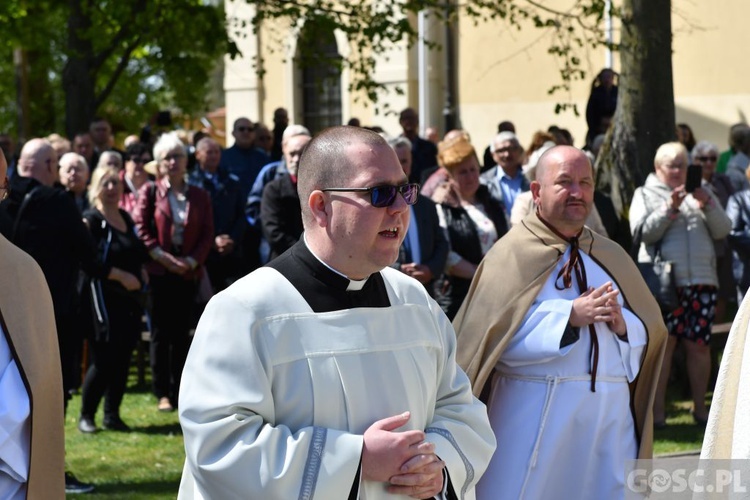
x: 684, y: 225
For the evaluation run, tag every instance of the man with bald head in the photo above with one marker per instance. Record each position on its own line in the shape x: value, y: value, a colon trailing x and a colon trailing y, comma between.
x: 74, y: 176
x: 562, y: 335
x: 327, y: 374
x: 47, y: 225
x: 294, y: 140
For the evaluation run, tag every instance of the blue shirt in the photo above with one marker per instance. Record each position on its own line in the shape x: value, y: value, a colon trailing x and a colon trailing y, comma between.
x: 511, y: 187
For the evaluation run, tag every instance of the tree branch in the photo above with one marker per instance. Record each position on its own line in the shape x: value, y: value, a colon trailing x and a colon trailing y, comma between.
x: 549, y: 10
x: 121, y: 65
x: 122, y: 34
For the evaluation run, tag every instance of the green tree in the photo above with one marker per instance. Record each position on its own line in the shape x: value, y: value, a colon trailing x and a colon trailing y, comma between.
x: 645, y: 113
x: 121, y: 60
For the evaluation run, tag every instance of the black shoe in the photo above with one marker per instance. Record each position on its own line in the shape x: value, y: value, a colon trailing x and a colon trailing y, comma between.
x: 116, y: 424
x: 86, y: 425
x: 73, y: 485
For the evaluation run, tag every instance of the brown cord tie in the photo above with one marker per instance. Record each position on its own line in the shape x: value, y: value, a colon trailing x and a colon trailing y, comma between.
x: 575, y: 266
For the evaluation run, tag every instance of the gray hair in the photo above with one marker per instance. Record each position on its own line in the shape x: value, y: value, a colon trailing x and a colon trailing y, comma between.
x: 704, y: 147
x: 104, y: 157
x: 72, y: 158
x: 505, y: 136
x: 399, y: 142
x: 205, y: 142
x: 166, y: 143
x: 294, y: 131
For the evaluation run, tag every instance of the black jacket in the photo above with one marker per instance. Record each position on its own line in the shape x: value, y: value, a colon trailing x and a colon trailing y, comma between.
x: 450, y: 291
x: 51, y: 230
x: 281, y: 215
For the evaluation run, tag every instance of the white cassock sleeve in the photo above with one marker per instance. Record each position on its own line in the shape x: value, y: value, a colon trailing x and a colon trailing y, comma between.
x: 460, y: 429
x: 234, y: 442
x: 538, y: 339
x: 631, y: 350
x: 233, y: 447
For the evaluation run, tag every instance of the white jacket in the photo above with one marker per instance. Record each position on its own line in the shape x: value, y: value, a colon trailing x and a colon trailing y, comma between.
x: 686, y: 240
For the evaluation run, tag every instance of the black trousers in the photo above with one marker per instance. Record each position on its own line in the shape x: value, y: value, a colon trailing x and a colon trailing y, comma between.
x: 107, y: 375
x: 173, y: 304
x: 70, y: 343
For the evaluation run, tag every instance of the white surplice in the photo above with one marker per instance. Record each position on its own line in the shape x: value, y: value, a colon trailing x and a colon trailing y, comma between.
x: 275, y: 398
x: 556, y: 438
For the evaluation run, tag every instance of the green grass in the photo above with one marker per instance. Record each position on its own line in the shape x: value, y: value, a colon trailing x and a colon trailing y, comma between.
x: 681, y: 433
x: 147, y: 462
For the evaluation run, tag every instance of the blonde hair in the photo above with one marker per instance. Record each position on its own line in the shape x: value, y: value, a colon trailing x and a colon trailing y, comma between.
x: 669, y: 151
x: 97, y: 178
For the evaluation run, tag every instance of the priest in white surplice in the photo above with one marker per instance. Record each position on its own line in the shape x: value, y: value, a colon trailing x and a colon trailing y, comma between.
x: 562, y: 336
x: 327, y: 374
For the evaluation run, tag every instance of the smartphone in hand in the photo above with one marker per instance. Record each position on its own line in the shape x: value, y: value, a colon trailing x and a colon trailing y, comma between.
x: 694, y: 176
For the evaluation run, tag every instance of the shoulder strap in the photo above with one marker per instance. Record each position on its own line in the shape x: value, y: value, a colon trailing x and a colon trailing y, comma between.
x: 21, y: 210
x: 638, y: 232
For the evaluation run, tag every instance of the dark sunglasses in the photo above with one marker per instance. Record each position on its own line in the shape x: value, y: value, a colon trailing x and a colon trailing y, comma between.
x: 384, y: 196
x: 707, y: 158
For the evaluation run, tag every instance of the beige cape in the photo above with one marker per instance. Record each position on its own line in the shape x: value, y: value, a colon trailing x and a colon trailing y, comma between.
x: 26, y: 308
x: 509, y: 279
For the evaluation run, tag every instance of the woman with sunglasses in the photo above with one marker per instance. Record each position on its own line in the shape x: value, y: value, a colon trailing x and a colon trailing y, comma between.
x: 473, y: 219
x: 134, y: 175
x: 706, y: 154
x: 117, y: 311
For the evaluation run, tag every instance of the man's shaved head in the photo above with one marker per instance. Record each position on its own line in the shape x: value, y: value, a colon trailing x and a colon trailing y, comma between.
x: 324, y: 162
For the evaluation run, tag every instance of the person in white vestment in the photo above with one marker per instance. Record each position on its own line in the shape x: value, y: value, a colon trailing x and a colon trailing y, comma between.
x: 728, y: 430
x: 572, y: 347
x: 327, y: 374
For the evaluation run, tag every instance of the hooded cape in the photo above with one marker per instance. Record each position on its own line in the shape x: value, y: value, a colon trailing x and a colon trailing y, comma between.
x: 29, y: 323
x: 510, y: 278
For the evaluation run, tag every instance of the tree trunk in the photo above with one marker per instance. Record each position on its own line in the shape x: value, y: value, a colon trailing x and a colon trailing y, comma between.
x: 78, y: 75
x: 645, y: 115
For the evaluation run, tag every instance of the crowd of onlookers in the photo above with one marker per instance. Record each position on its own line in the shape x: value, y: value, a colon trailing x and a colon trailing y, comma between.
x: 138, y: 237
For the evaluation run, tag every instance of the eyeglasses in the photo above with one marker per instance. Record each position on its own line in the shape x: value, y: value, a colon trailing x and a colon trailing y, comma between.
x: 507, y: 149
x: 175, y: 157
x: 384, y: 196
x: 712, y: 159
x: 244, y: 129
x: 5, y: 188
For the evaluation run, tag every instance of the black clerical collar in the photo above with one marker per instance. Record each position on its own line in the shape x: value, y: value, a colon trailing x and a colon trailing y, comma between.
x: 324, y: 288
x: 352, y: 285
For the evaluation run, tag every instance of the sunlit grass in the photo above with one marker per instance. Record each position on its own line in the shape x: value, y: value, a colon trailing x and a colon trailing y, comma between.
x: 145, y: 463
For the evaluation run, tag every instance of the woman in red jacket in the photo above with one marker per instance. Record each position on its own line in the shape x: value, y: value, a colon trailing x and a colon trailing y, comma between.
x: 175, y: 222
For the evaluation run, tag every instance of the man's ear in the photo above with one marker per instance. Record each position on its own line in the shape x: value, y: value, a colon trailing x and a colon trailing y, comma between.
x: 318, y: 207
x: 535, y: 188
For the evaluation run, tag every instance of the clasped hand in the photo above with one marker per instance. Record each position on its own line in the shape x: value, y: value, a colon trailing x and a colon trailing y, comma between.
x: 599, y: 305
x: 403, y: 459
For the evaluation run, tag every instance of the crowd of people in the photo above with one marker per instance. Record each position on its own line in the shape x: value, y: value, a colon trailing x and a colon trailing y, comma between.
x: 509, y: 246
